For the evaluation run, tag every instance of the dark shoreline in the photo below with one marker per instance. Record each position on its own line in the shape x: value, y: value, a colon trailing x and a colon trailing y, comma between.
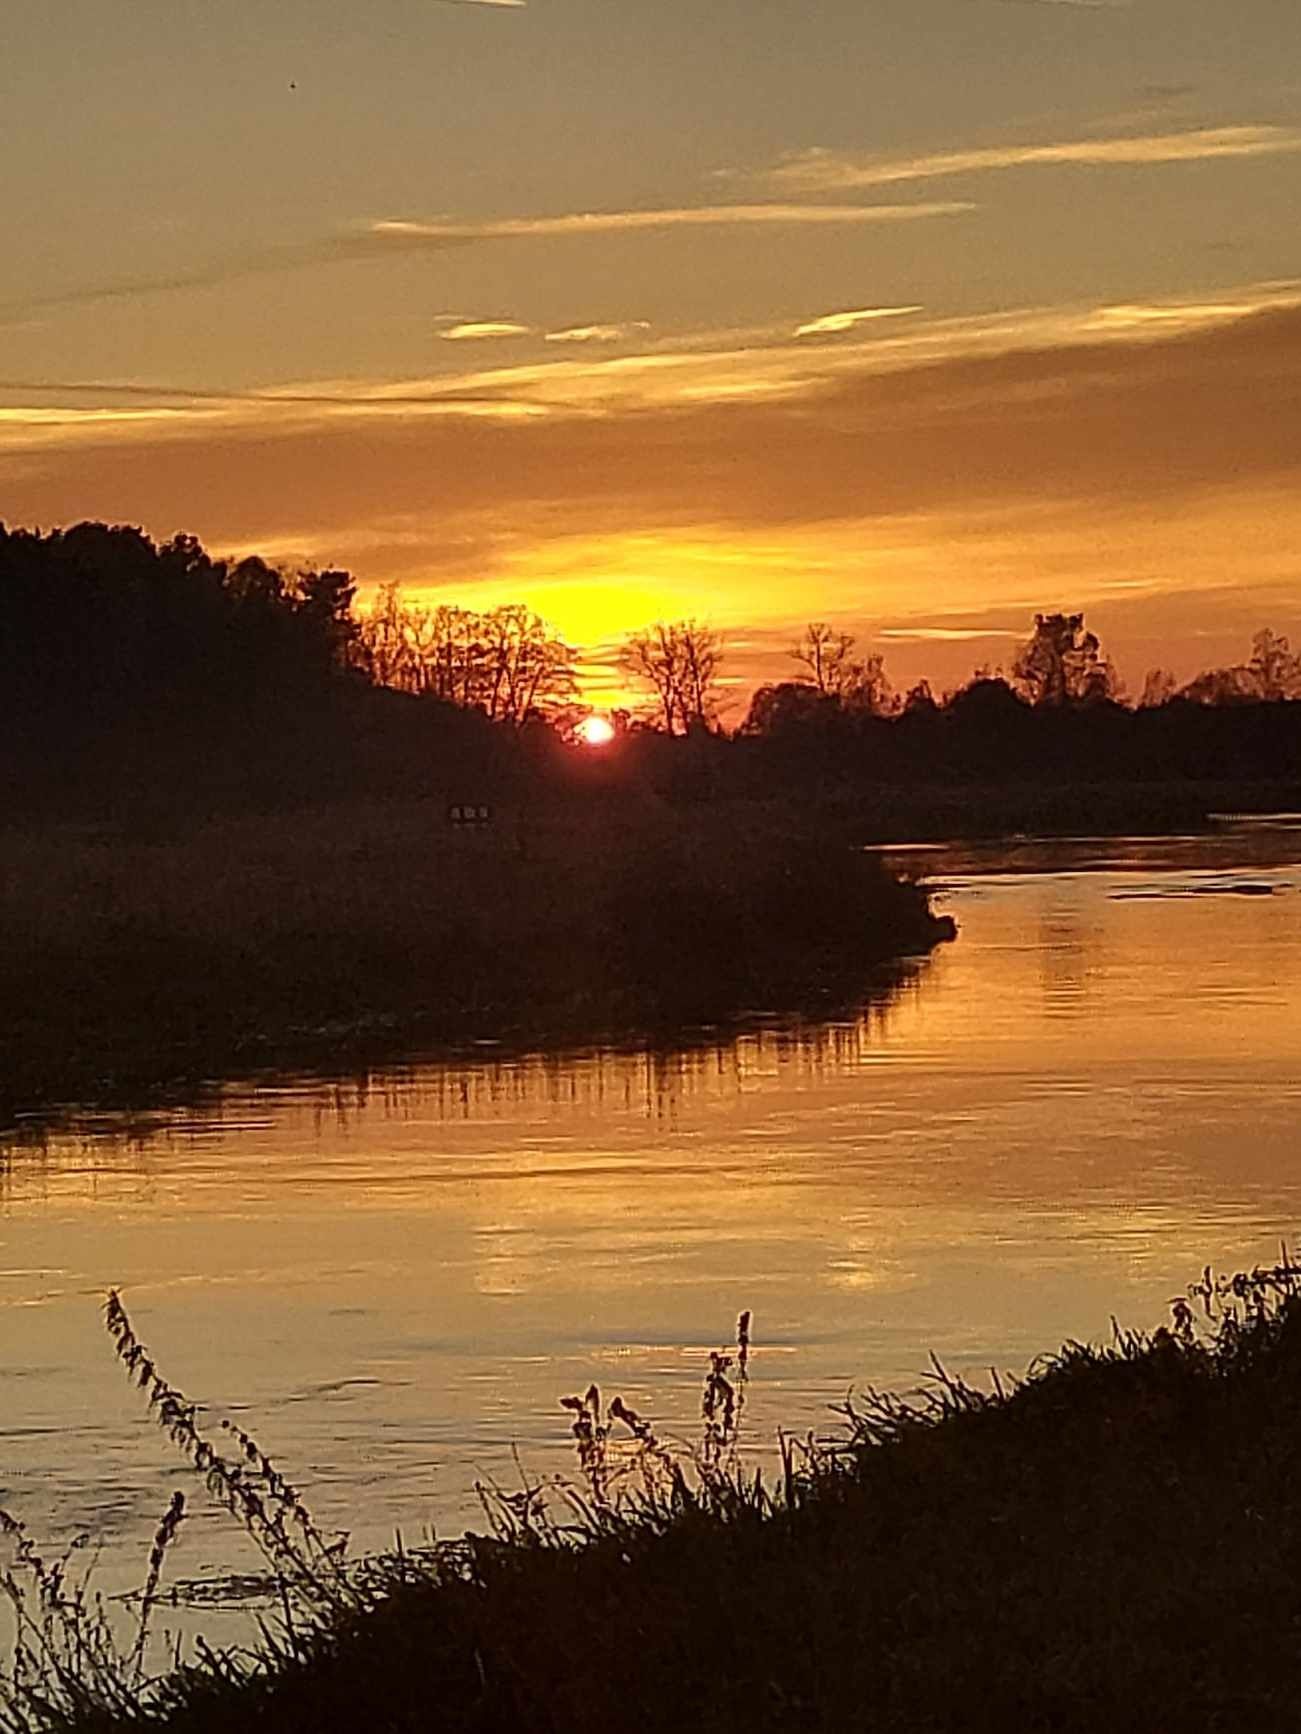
x: 138, y: 971
x: 988, y: 812
x: 142, y: 968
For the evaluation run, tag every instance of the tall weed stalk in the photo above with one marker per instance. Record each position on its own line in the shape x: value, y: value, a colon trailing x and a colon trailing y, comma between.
x: 246, y: 1482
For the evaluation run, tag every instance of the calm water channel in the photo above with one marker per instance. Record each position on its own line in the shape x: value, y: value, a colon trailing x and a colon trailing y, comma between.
x: 1061, y: 1117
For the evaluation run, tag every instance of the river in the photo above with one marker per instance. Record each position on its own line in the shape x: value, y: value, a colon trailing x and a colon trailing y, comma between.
x: 393, y: 1280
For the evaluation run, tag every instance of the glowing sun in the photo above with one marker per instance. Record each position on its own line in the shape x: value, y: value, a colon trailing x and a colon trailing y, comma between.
x: 595, y: 731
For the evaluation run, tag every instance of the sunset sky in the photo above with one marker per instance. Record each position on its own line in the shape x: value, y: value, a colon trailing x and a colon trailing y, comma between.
x: 912, y: 315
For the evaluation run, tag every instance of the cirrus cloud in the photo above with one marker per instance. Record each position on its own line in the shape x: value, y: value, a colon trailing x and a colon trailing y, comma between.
x: 479, y: 330
x: 834, y: 324
x: 393, y: 236
x: 947, y: 479
x: 598, y: 333
x: 817, y: 170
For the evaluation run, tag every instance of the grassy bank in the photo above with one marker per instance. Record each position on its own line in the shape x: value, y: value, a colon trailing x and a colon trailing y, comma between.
x: 130, y: 961
x: 1112, y: 1542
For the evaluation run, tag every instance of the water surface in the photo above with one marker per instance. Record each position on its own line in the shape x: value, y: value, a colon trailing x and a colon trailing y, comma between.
x: 393, y: 1280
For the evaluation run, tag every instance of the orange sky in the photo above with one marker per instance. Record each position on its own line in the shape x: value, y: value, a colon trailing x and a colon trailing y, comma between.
x: 928, y: 491
x: 913, y: 318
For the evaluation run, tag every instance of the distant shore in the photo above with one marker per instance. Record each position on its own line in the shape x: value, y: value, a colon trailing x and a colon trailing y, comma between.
x: 133, y: 964
x: 151, y: 956
x: 944, y: 812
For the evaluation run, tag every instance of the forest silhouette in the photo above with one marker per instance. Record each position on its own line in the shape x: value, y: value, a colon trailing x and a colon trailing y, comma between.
x: 144, y: 679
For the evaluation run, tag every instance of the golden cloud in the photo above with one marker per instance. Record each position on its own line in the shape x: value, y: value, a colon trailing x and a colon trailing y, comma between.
x: 698, y: 369
x: 476, y: 330
x: 824, y: 171
x: 833, y: 324
x: 598, y: 333
x: 1143, y: 463
x: 415, y: 231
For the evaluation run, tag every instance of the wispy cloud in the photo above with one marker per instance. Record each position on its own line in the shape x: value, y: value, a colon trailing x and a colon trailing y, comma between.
x: 941, y: 634
x: 598, y: 333
x: 477, y: 330
x: 161, y: 396
x: 825, y: 171
x: 687, y: 372
x: 934, y: 478
x: 834, y: 324
x: 440, y: 231
x: 1079, y: 5
x: 1166, y: 92
x: 392, y: 236
x: 1126, y: 317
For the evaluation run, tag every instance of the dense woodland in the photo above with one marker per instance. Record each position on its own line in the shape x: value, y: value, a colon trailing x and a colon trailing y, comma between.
x: 143, y: 675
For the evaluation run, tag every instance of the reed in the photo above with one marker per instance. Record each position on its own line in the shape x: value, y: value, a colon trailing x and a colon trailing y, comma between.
x: 248, y: 1484
x: 1110, y: 1539
x: 69, y: 1667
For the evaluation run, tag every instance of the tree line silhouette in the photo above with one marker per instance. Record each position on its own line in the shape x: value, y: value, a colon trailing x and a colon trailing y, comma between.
x: 505, y: 663
x: 1056, y: 718
x: 158, y: 673
x: 1061, y: 666
x: 155, y: 676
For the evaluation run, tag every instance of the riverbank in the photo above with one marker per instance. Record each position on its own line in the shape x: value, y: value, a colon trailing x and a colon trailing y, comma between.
x: 1114, y: 1540
x: 132, y: 963
x: 944, y: 812
x: 143, y: 959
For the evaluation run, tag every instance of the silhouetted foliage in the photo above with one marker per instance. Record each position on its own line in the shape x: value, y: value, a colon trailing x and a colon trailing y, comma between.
x: 836, y: 686
x: 790, y: 705
x: 919, y: 699
x: 504, y: 663
x: 856, y: 683
x: 679, y: 662
x: 151, y: 679
x: 1271, y: 676
x: 827, y: 658
x: 143, y: 681
x: 1054, y: 728
x: 1063, y: 664
x: 101, y: 624
x: 1159, y: 687
x: 1109, y: 1541
x: 1274, y: 667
